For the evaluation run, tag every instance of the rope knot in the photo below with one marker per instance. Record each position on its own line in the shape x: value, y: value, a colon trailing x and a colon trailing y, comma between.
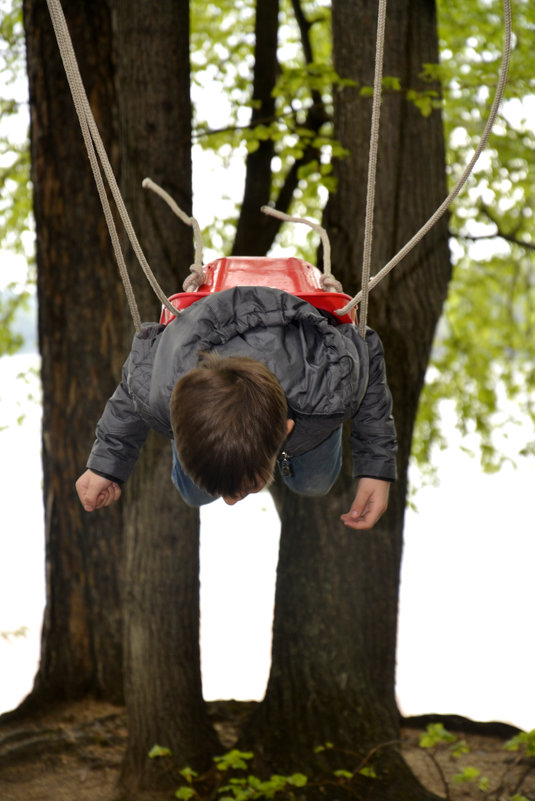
x: 330, y: 283
x: 195, y: 280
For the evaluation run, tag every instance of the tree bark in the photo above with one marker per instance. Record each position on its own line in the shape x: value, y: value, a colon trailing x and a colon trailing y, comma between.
x: 81, y: 330
x: 334, y: 634
x: 139, y: 94
x: 161, y: 607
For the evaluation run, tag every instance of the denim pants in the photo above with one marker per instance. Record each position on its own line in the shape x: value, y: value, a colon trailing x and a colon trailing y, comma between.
x: 311, y: 473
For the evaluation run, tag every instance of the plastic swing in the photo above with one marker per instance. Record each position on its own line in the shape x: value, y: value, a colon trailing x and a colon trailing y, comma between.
x: 292, y: 275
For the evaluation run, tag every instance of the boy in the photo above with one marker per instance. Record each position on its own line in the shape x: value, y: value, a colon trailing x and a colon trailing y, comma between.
x: 242, y: 381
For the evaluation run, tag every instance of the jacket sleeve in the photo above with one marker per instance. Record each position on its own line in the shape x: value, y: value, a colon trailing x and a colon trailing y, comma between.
x: 373, y: 433
x: 121, y: 433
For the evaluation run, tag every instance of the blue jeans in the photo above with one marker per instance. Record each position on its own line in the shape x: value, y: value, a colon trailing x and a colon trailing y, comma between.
x: 312, y: 473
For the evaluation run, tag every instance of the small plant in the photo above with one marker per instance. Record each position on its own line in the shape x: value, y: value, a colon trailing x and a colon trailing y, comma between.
x: 230, y: 787
x: 231, y: 780
x: 436, y: 739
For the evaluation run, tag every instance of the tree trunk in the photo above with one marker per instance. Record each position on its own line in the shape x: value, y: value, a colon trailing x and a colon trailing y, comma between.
x: 161, y: 607
x: 253, y: 226
x: 140, y: 97
x: 81, y: 332
x: 334, y: 636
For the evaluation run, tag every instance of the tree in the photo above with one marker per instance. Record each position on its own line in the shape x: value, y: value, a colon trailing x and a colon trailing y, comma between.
x: 332, y: 675
x: 81, y: 339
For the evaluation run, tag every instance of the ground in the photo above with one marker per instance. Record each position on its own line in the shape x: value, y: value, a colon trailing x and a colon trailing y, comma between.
x: 75, y: 752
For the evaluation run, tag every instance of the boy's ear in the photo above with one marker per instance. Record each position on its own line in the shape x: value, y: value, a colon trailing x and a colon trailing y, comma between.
x: 289, y: 426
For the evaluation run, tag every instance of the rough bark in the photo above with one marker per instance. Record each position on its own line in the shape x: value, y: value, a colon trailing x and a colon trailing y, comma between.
x: 81, y: 336
x: 161, y: 607
x: 334, y: 637
x: 139, y: 94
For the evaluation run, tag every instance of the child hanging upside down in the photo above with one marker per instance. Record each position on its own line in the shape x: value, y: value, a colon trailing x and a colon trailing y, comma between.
x: 243, y: 381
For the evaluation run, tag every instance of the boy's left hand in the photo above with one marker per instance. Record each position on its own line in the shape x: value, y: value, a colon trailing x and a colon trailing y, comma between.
x: 371, y: 501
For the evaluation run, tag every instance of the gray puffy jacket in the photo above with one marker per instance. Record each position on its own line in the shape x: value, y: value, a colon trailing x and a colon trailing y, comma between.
x: 328, y: 372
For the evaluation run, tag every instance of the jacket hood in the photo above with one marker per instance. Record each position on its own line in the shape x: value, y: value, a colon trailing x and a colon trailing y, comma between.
x: 319, y: 368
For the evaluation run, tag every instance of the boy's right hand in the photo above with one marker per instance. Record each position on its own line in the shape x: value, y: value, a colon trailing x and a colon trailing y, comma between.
x: 96, y: 491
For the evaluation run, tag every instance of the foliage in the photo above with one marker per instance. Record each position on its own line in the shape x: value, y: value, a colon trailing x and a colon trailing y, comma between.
x: 231, y: 779
x: 437, y: 739
x: 228, y: 781
x: 15, y: 194
x: 484, y: 355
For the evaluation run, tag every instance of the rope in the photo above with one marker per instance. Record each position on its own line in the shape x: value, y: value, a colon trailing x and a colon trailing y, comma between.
x: 462, y: 180
x: 198, y: 276
x: 96, y: 151
x: 328, y: 281
x: 372, y: 165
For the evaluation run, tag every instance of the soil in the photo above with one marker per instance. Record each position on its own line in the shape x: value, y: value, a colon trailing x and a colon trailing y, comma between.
x: 74, y: 753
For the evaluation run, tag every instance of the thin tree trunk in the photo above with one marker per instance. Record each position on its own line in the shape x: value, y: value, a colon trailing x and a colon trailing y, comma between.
x: 253, y: 226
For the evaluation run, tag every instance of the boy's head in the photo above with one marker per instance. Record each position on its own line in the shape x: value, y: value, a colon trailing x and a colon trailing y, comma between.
x: 229, y: 417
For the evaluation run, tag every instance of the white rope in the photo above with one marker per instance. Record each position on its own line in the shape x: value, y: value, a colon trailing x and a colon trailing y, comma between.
x: 462, y: 180
x: 96, y: 152
x: 328, y: 281
x: 372, y: 165
x: 198, y: 274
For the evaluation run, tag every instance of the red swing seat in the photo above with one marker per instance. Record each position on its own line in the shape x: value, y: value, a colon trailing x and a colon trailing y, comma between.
x: 292, y: 275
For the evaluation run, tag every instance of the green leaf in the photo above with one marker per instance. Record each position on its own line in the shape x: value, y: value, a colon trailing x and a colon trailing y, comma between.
x: 188, y: 774
x: 159, y: 751
x: 459, y: 748
x: 325, y: 747
x: 298, y: 780
x: 343, y: 774
x: 469, y: 774
x: 435, y: 734
x: 368, y: 771
x: 185, y: 793
x: 233, y: 760
x: 523, y: 741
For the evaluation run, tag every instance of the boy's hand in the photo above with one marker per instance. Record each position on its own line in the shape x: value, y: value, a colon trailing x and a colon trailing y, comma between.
x: 371, y: 501
x: 96, y: 491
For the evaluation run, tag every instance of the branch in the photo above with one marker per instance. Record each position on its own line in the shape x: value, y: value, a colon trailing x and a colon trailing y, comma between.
x: 510, y: 237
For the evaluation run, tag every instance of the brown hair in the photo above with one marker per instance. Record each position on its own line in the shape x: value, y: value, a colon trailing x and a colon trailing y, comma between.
x: 229, y: 421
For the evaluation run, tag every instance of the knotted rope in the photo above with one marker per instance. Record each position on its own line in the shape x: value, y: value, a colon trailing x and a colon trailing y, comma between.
x: 198, y: 274
x: 328, y: 281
